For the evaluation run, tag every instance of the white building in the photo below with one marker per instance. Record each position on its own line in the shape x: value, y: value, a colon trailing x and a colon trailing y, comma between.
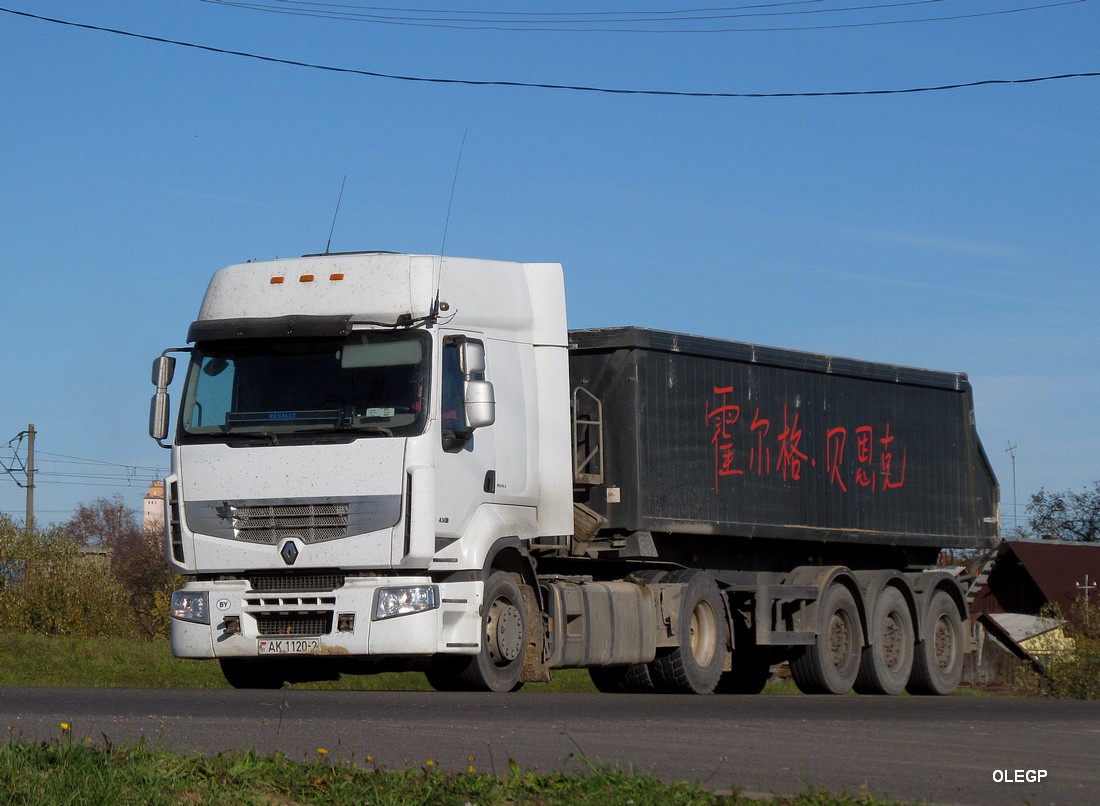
x: 154, y: 507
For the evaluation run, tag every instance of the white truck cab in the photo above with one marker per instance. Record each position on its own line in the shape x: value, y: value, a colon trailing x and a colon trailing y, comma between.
x: 347, y: 471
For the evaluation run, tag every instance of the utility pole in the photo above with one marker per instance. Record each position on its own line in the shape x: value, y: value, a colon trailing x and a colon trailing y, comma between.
x: 1011, y: 451
x: 30, y: 479
x: 26, y: 468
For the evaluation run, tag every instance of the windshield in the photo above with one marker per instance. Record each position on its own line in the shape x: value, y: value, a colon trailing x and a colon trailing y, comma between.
x: 371, y: 383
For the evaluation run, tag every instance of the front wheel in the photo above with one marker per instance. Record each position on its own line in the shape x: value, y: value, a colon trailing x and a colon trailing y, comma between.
x: 497, y: 665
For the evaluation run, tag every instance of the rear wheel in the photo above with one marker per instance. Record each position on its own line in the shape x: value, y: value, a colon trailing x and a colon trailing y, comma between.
x: 937, y: 666
x: 888, y: 661
x: 695, y: 665
x: 831, y: 663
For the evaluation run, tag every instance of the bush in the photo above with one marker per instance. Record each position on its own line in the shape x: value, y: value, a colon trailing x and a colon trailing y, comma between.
x: 49, y: 585
x: 1075, y: 674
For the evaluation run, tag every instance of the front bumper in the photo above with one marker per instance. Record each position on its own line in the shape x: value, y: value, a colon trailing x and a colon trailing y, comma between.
x: 329, y: 623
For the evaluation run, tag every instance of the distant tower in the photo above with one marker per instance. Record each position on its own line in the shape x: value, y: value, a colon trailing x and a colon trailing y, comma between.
x: 154, y: 508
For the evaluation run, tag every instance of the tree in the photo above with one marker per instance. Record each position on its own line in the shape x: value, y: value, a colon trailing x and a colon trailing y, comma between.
x: 136, y: 558
x: 1066, y: 515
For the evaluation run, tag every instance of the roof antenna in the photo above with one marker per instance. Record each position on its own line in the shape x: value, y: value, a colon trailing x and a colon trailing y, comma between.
x: 450, y: 201
x: 447, y: 224
x: 336, y: 213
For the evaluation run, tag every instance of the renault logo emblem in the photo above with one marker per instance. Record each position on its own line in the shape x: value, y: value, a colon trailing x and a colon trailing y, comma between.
x: 289, y: 552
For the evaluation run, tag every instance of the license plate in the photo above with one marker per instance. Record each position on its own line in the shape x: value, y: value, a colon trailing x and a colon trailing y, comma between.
x: 286, y: 646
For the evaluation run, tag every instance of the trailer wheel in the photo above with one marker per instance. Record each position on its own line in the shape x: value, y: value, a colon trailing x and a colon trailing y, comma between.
x: 634, y: 678
x: 937, y: 667
x: 498, y: 665
x: 831, y: 663
x: 886, y: 664
x: 694, y: 666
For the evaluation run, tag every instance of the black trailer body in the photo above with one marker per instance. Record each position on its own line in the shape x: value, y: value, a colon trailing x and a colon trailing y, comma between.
x: 750, y: 445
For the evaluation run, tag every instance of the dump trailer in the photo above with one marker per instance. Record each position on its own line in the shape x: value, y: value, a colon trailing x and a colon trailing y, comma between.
x: 387, y: 461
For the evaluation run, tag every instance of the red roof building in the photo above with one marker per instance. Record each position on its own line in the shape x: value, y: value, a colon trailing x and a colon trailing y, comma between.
x: 1027, y: 574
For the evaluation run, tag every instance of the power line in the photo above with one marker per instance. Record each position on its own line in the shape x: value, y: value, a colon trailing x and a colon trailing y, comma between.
x: 617, y: 20
x: 546, y: 86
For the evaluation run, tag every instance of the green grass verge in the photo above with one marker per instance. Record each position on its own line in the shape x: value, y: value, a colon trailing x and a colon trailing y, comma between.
x: 67, y: 771
x: 36, y: 660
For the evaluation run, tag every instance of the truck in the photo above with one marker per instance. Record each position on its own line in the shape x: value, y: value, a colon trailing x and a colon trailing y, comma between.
x: 408, y: 462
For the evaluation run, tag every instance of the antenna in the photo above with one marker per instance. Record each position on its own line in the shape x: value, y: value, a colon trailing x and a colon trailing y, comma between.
x: 450, y: 201
x: 336, y: 213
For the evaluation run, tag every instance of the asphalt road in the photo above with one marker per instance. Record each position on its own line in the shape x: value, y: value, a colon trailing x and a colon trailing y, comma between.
x: 941, y: 750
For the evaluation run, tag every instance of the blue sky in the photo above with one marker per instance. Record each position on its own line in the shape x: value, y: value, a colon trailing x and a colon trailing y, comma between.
x: 948, y: 229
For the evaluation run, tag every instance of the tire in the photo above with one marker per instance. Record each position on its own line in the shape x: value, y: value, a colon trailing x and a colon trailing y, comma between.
x: 695, y: 666
x: 504, y: 629
x: 887, y: 663
x: 633, y: 678
x: 938, y: 661
x: 830, y: 665
x: 246, y: 673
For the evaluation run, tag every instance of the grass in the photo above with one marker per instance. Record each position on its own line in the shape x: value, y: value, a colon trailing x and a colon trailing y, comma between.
x: 60, y: 662
x: 66, y: 771
x: 36, y: 660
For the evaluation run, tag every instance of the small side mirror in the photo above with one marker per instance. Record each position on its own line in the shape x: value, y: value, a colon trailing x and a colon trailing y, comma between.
x: 471, y: 358
x: 481, y: 404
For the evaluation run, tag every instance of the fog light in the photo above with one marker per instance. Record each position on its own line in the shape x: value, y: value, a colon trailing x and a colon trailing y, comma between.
x: 391, y: 602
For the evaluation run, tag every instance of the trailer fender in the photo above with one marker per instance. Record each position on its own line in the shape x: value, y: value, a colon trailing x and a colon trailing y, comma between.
x: 823, y: 577
x: 924, y: 584
x: 873, y: 583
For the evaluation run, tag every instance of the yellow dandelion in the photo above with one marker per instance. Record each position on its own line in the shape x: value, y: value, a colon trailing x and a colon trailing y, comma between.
x: 322, y: 751
x: 471, y: 769
x: 429, y: 763
x: 65, y: 727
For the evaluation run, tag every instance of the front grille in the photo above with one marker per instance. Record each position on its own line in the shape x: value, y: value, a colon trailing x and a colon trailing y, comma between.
x: 282, y: 583
x: 271, y: 624
x: 313, y: 523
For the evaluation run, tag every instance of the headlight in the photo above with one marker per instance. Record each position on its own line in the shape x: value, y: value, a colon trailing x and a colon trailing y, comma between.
x: 191, y: 606
x: 390, y: 602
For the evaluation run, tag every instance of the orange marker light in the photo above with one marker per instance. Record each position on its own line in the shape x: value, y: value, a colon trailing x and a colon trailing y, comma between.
x: 336, y: 277
x: 277, y: 280
x: 306, y: 278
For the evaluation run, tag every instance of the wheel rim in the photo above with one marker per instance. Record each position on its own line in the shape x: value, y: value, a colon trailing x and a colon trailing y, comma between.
x: 893, y: 651
x: 840, y: 639
x: 944, y: 643
x: 504, y: 632
x: 703, y: 632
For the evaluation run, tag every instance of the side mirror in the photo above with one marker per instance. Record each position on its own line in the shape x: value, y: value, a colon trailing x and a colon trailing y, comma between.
x: 481, y: 404
x: 164, y: 369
